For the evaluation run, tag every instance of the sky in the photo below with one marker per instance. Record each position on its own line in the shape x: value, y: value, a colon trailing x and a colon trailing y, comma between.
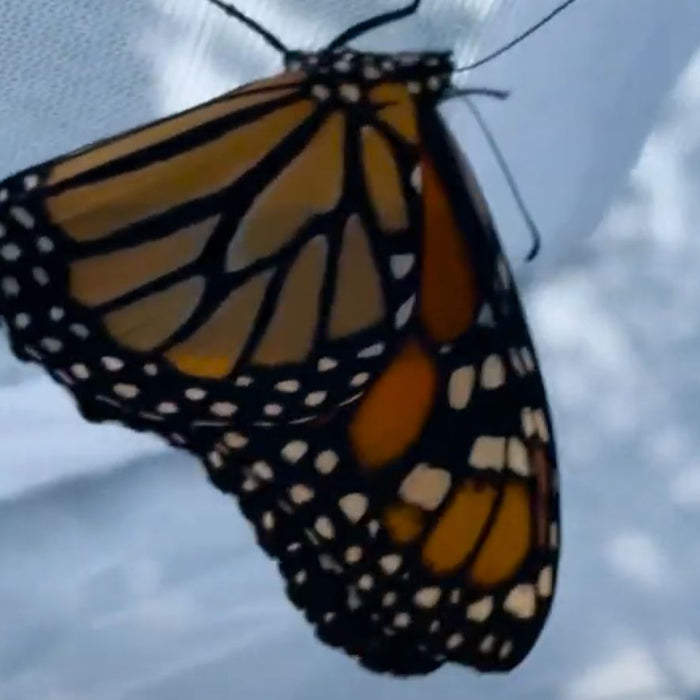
x: 125, y: 575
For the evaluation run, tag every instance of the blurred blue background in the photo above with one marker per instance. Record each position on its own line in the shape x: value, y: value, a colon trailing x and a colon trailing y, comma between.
x: 124, y: 575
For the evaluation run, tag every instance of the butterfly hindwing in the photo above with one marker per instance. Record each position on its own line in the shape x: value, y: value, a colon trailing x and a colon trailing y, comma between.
x: 421, y: 520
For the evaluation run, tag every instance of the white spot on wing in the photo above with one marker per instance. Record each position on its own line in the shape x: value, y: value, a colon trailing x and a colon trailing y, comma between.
x: 250, y: 485
x: 326, y: 461
x: 425, y: 486
x: 545, y: 582
x: 268, y: 520
x: 300, y: 494
x: 516, y: 362
x: 401, y: 264
x: 486, y: 317
x: 354, y: 601
x: 44, y: 244
x: 126, y: 391
x: 350, y: 92
x: 22, y: 217
x: 80, y: 371
x: 320, y: 92
x: 404, y: 313
x: 354, y: 505
x: 10, y: 252
x: 224, y: 409
x: 112, y: 364
x: 521, y: 601
x: 488, y: 452
x: 390, y: 563
x: 366, y: 582
x: 262, y: 470
x: 371, y: 351
x: 389, y: 599
x: 493, y: 372
x: 417, y: 178
x: 528, y: 422
x: 480, y: 610
x: 527, y: 358
x: 505, y: 650
x: 327, y: 363
x: 459, y: 389
x: 518, y: 460
x: 22, y: 320
x: 294, y: 451
x: 353, y: 554
x: 10, y: 286
x: 327, y: 563
x: 215, y: 459
x: 288, y: 386
x: 487, y: 644
x: 52, y: 344
x: 359, y: 379
x: 195, y: 394
x: 315, y: 398
x: 554, y: 535
x: 503, y: 274
x: 31, y: 181
x: 41, y: 277
x: 325, y: 528
x: 402, y: 620
x: 427, y: 597
x: 79, y: 330
x: 541, y: 424
x: 454, y: 640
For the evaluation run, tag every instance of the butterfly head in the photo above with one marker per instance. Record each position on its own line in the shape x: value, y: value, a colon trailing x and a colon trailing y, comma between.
x: 428, y: 72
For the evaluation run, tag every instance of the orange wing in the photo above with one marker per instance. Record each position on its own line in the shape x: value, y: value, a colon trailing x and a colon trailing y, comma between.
x: 305, y: 292
x: 217, y: 263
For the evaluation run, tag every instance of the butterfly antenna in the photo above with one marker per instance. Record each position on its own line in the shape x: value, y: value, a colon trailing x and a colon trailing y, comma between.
x: 518, y: 39
x: 532, y: 227
x: 268, y: 36
x: 372, y: 23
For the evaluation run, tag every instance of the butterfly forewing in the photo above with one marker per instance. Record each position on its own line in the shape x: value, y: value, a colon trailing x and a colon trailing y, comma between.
x: 207, y: 266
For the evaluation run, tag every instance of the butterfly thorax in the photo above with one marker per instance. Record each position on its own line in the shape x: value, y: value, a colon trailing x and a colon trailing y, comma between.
x: 422, y: 72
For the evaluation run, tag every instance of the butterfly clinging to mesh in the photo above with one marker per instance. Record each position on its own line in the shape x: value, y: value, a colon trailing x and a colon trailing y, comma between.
x: 299, y: 282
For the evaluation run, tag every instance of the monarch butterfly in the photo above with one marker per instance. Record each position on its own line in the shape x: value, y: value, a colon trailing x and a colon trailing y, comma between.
x: 300, y: 283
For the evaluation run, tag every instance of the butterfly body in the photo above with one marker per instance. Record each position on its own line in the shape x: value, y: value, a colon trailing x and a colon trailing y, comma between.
x: 299, y: 282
